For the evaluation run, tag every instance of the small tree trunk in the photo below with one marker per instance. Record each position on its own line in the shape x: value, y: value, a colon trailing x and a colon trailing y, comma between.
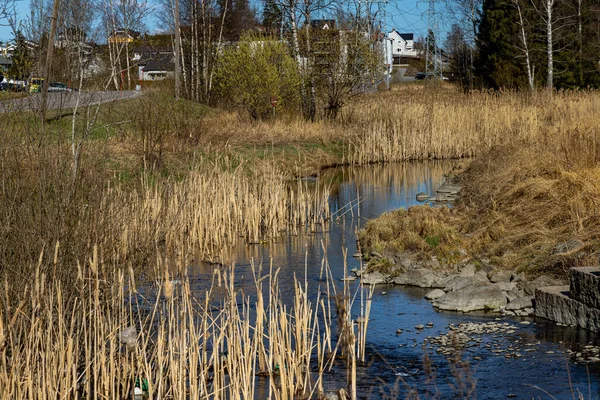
x: 525, y: 47
x: 297, y: 55
x: 177, y: 52
x: 550, y: 51
x: 49, y: 55
x: 218, y: 52
x: 128, y: 66
x: 580, y: 41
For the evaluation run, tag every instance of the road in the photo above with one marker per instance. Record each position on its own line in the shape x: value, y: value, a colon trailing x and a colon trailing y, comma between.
x: 62, y: 100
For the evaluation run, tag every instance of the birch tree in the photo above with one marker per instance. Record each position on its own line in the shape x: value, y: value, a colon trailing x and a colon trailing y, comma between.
x: 524, y: 48
x: 122, y: 15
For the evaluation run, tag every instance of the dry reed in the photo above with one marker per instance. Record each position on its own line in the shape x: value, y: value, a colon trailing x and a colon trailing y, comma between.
x: 164, y: 338
x: 405, y: 124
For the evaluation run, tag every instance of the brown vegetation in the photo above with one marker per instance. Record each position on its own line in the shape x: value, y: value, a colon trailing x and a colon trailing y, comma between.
x: 161, y: 179
x: 425, y: 231
x: 117, y: 334
x: 530, y: 198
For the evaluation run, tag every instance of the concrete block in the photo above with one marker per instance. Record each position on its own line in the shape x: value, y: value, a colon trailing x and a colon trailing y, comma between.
x: 585, y: 285
x: 554, y: 303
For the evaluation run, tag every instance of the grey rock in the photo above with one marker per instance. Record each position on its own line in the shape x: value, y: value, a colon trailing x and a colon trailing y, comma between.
x: 472, y: 298
x: 500, y: 276
x: 514, y: 293
x: 448, y: 188
x: 506, y: 286
x: 461, y: 282
x: 541, y: 281
x: 481, y: 276
x: 405, y: 260
x: 517, y: 277
x: 485, y: 266
x: 435, y: 294
x: 433, y: 263
x: 468, y: 270
x: 520, y: 303
x: 421, y: 277
x: 374, y: 278
x: 585, y: 285
x: 422, y: 196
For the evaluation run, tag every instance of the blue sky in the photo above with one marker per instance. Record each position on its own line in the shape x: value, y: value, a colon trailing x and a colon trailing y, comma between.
x: 407, y: 16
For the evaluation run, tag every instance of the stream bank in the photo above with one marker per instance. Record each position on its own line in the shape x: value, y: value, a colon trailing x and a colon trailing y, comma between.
x: 396, y: 345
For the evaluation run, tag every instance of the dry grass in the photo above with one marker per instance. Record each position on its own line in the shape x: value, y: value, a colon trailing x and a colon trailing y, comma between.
x: 531, y: 195
x: 537, y: 209
x: 422, y: 230
x: 409, y: 123
x: 535, y: 184
x: 115, y: 333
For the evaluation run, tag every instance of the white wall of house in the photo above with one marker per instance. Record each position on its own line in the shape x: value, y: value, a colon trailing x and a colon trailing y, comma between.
x: 403, y: 45
x: 156, y: 75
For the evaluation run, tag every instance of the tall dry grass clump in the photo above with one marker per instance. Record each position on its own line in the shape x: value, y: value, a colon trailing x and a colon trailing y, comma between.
x: 406, y: 124
x: 530, y: 198
x: 115, y: 337
x: 214, y: 207
x: 537, y: 206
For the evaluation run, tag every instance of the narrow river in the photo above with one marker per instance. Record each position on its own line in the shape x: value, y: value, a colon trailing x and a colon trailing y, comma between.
x: 395, y: 365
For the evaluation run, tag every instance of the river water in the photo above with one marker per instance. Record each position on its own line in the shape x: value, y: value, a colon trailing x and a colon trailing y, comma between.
x: 395, y: 362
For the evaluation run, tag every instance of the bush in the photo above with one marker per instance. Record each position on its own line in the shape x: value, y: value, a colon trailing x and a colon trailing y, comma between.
x: 256, y: 71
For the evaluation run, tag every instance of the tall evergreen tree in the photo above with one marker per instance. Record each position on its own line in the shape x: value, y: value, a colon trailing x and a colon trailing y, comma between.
x: 22, y: 60
x: 239, y: 18
x: 495, y: 64
x: 272, y: 17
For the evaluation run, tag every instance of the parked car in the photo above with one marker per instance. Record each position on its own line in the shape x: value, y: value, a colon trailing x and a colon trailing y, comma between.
x: 59, y: 87
x: 36, y: 85
x: 16, y: 86
x: 422, y: 75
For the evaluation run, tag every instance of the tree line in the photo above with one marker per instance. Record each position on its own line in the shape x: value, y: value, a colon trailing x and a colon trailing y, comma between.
x: 521, y: 44
x: 221, y: 49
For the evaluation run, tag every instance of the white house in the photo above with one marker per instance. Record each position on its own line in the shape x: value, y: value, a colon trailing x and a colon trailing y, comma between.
x: 403, y: 45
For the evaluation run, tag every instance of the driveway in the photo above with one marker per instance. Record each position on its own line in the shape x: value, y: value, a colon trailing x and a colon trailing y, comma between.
x: 61, y: 100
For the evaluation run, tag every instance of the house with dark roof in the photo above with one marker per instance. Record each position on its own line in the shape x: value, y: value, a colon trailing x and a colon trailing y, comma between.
x: 154, y: 62
x: 155, y: 70
x: 145, y: 53
x: 403, y: 45
x: 324, y: 24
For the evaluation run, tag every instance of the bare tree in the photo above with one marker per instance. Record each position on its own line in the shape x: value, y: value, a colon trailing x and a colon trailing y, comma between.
x: 548, y: 9
x: 525, y: 44
x: 200, y: 43
x: 127, y: 17
x: 49, y: 54
x: 177, y: 51
x: 555, y: 25
x: 466, y: 13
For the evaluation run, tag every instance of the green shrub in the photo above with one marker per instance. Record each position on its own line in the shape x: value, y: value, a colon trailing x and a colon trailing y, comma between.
x: 257, y: 70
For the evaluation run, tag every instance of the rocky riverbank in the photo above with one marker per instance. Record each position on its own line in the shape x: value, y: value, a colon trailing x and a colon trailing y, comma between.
x: 471, y: 285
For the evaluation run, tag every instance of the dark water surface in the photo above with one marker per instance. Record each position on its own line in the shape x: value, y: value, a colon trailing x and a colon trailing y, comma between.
x: 544, y: 371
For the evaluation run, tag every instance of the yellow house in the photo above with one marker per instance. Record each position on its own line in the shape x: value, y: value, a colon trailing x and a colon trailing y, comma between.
x: 123, y: 36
